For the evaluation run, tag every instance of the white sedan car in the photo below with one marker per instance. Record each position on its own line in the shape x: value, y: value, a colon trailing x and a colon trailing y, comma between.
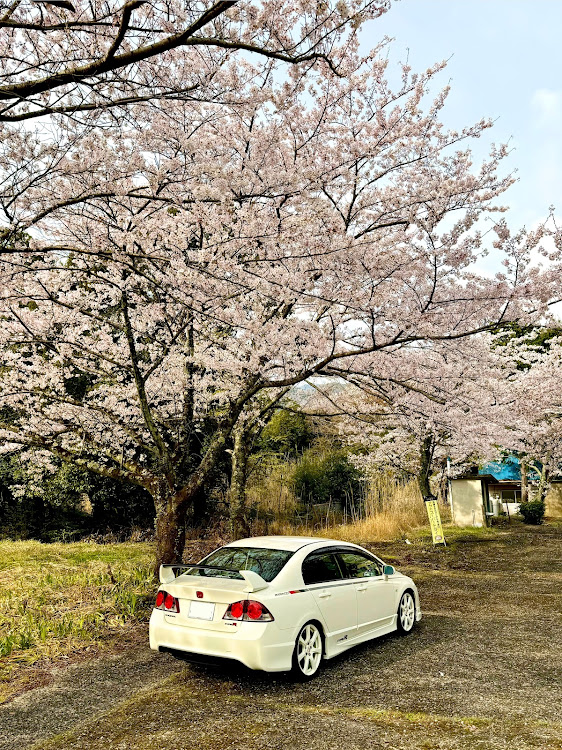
x: 280, y: 603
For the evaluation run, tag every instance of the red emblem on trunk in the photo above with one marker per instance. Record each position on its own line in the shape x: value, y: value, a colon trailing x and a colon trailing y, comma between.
x: 199, y: 594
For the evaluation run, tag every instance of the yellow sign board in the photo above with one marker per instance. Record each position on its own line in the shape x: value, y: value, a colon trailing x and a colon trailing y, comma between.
x: 435, y: 522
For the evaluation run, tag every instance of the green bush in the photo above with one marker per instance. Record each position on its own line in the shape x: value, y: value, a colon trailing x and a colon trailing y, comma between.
x: 287, y: 433
x: 321, y: 477
x: 532, y: 512
x: 66, y: 503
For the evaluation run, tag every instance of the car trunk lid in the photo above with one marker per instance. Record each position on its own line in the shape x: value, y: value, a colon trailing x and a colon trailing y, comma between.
x: 203, y: 600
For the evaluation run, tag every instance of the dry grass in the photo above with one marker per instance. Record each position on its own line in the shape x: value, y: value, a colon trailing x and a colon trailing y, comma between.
x: 63, y: 599
x: 269, y: 491
x: 390, y: 510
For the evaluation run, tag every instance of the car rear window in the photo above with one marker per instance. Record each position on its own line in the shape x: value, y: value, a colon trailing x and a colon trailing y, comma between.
x: 265, y: 562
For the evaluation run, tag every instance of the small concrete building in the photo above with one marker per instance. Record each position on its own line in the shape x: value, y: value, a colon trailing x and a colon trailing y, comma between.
x: 470, y: 499
x: 505, y: 496
x: 475, y: 498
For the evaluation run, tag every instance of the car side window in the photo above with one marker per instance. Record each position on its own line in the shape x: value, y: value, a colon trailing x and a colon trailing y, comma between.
x: 357, y: 565
x: 321, y: 568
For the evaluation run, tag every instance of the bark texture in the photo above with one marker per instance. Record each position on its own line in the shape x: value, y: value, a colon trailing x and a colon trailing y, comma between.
x: 426, y: 457
x: 239, y: 526
x: 170, y: 533
x: 543, y: 482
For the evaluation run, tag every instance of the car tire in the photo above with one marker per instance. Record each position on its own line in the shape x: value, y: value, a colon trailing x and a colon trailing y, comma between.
x: 406, y: 616
x: 307, y: 656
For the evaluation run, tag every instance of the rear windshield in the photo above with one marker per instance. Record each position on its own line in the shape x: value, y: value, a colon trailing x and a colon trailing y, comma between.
x: 265, y: 562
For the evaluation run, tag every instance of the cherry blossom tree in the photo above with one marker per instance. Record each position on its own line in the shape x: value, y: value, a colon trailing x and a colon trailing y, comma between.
x: 178, y: 269
x: 487, y: 396
x: 71, y: 57
x: 69, y: 71
x: 423, y: 404
x: 532, y: 367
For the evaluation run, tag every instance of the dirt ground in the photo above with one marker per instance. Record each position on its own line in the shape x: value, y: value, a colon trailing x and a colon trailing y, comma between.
x: 483, y: 670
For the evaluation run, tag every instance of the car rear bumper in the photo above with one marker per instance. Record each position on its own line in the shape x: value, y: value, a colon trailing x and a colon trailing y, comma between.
x: 258, y: 645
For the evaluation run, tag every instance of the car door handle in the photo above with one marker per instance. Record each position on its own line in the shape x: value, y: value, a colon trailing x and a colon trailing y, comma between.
x: 324, y: 595
x: 362, y: 588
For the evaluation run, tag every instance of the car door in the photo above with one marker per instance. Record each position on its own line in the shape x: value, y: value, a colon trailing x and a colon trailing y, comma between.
x: 334, y: 595
x: 376, y: 605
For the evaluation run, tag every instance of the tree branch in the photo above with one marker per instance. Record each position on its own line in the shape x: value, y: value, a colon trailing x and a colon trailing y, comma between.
x: 128, y: 9
x: 141, y: 391
x: 73, y: 75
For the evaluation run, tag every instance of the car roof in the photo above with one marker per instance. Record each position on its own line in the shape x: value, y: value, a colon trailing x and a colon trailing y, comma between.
x: 289, y: 543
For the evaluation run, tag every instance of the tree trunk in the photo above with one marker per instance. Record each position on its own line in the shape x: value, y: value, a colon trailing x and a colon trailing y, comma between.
x: 543, y: 483
x: 426, y: 456
x: 238, y: 521
x: 443, y: 486
x: 172, y: 503
x: 524, y: 481
x: 170, y: 533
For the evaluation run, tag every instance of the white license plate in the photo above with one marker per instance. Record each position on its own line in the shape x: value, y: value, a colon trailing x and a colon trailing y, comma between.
x: 201, y: 610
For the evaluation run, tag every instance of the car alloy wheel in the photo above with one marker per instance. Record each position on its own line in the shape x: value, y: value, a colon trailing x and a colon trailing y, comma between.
x: 406, y: 613
x: 308, y: 651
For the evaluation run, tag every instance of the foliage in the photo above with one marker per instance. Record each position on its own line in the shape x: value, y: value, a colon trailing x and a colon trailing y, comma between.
x: 532, y: 362
x: 66, y: 502
x: 533, y: 337
x: 532, y: 511
x: 321, y: 477
x: 117, y: 506
x: 287, y: 433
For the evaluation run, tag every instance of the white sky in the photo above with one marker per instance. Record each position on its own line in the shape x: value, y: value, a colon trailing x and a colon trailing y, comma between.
x: 506, y: 64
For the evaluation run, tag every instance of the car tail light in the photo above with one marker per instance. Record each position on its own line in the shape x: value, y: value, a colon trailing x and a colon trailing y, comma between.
x: 248, y: 611
x: 167, y: 602
x: 255, y: 610
x: 234, y: 611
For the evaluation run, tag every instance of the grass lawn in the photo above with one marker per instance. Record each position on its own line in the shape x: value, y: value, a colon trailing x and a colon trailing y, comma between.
x: 64, y: 600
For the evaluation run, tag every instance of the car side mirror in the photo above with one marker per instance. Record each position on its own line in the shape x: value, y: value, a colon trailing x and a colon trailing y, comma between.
x: 388, y: 570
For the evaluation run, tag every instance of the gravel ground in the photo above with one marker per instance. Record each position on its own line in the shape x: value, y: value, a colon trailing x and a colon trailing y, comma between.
x: 482, y: 671
x: 77, y: 693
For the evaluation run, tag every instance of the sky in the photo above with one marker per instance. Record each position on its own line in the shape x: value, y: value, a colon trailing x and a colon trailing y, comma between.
x: 505, y: 63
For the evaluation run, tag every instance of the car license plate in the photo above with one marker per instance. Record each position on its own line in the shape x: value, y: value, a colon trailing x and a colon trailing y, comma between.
x: 201, y: 610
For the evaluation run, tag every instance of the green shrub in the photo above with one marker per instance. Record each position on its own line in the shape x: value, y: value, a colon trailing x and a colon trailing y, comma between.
x: 287, y: 433
x: 66, y: 503
x: 532, y: 512
x: 321, y: 477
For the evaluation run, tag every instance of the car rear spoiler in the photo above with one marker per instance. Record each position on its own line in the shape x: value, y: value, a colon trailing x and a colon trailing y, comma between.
x: 255, y: 582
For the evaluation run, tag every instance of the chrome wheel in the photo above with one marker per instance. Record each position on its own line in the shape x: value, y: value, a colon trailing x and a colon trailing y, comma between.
x: 406, y: 612
x: 308, y: 651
